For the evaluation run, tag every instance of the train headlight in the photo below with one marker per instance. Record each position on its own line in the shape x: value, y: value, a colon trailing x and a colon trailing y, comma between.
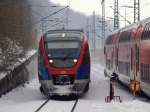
x: 51, y: 61
x: 75, y: 60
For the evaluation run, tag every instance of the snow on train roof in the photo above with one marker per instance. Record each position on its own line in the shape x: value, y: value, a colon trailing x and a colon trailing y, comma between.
x: 63, y: 35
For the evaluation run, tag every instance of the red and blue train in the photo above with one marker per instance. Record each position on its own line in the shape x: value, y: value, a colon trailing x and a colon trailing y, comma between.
x: 64, y: 62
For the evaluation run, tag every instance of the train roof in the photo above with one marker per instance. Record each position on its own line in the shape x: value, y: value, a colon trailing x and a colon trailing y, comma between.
x: 63, y: 34
x: 125, y: 31
x: 131, y: 26
x: 65, y: 30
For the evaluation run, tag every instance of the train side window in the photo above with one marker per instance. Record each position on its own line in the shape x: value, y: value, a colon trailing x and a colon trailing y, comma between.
x: 109, y: 39
x: 146, y: 32
x: 148, y: 35
x: 137, y: 57
x: 125, y: 36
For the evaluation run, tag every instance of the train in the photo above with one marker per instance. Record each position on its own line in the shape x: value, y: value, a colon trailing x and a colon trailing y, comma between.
x: 127, y: 54
x: 64, y: 63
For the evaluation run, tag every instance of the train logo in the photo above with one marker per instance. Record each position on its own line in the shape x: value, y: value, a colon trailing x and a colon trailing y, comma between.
x: 64, y: 63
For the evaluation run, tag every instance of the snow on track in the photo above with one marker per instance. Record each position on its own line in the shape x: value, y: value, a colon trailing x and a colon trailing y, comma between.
x: 22, y: 99
x: 29, y: 98
x: 99, y: 87
x: 58, y: 106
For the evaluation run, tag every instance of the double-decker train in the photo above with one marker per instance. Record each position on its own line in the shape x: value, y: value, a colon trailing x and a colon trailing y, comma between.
x: 64, y: 62
x: 127, y: 54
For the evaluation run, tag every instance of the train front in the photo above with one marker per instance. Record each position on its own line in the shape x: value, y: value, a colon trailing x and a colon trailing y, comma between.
x: 64, y: 63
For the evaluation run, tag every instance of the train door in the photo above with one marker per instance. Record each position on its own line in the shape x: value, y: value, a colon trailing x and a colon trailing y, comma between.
x: 115, y: 58
x: 135, y: 57
x: 134, y: 62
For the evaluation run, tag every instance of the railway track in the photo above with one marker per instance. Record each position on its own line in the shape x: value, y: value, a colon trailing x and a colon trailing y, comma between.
x: 74, y: 106
x: 43, y: 104
x: 46, y: 102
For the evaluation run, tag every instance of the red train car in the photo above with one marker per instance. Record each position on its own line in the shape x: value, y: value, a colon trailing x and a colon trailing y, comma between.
x: 127, y: 54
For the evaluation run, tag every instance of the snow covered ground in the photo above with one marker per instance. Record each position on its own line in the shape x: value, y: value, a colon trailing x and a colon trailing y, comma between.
x: 29, y: 98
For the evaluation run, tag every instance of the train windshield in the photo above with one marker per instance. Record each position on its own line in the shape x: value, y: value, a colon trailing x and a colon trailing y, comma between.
x: 63, y: 49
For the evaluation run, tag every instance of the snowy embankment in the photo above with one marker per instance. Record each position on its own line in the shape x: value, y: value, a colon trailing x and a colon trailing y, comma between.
x: 29, y: 98
x: 18, y: 73
x: 12, y: 54
x: 15, y: 64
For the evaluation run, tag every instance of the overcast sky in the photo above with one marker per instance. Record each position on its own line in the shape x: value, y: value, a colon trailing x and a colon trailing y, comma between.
x: 88, y: 6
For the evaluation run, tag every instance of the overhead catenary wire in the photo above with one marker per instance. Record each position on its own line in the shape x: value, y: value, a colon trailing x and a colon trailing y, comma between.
x: 67, y: 13
x: 54, y: 13
x: 42, y: 18
x: 45, y: 6
x: 121, y: 16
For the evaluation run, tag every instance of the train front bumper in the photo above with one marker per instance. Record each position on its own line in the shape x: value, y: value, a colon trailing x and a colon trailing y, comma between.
x: 77, y: 88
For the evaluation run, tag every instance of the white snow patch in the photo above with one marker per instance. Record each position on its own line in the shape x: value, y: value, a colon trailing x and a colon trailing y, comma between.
x: 29, y: 98
x: 22, y: 99
x: 28, y: 55
x: 2, y: 74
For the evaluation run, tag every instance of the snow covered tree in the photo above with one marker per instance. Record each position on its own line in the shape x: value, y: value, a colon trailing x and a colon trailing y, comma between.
x: 10, y: 52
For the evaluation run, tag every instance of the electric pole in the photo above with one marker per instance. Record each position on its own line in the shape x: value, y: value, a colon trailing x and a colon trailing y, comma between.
x: 87, y: 29
x: 42, y: 20
x: 116, y: 15
x: 94, y: 33
x: 103, y: 22
x: 68, y: 10
x: 129, y: 22
x: 126, y: 6
x: 136, y: 11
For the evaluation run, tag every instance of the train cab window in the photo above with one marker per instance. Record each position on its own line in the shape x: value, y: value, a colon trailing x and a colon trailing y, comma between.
x: 146, y: 32
x: 61, y: 49
x: 125, y: 36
